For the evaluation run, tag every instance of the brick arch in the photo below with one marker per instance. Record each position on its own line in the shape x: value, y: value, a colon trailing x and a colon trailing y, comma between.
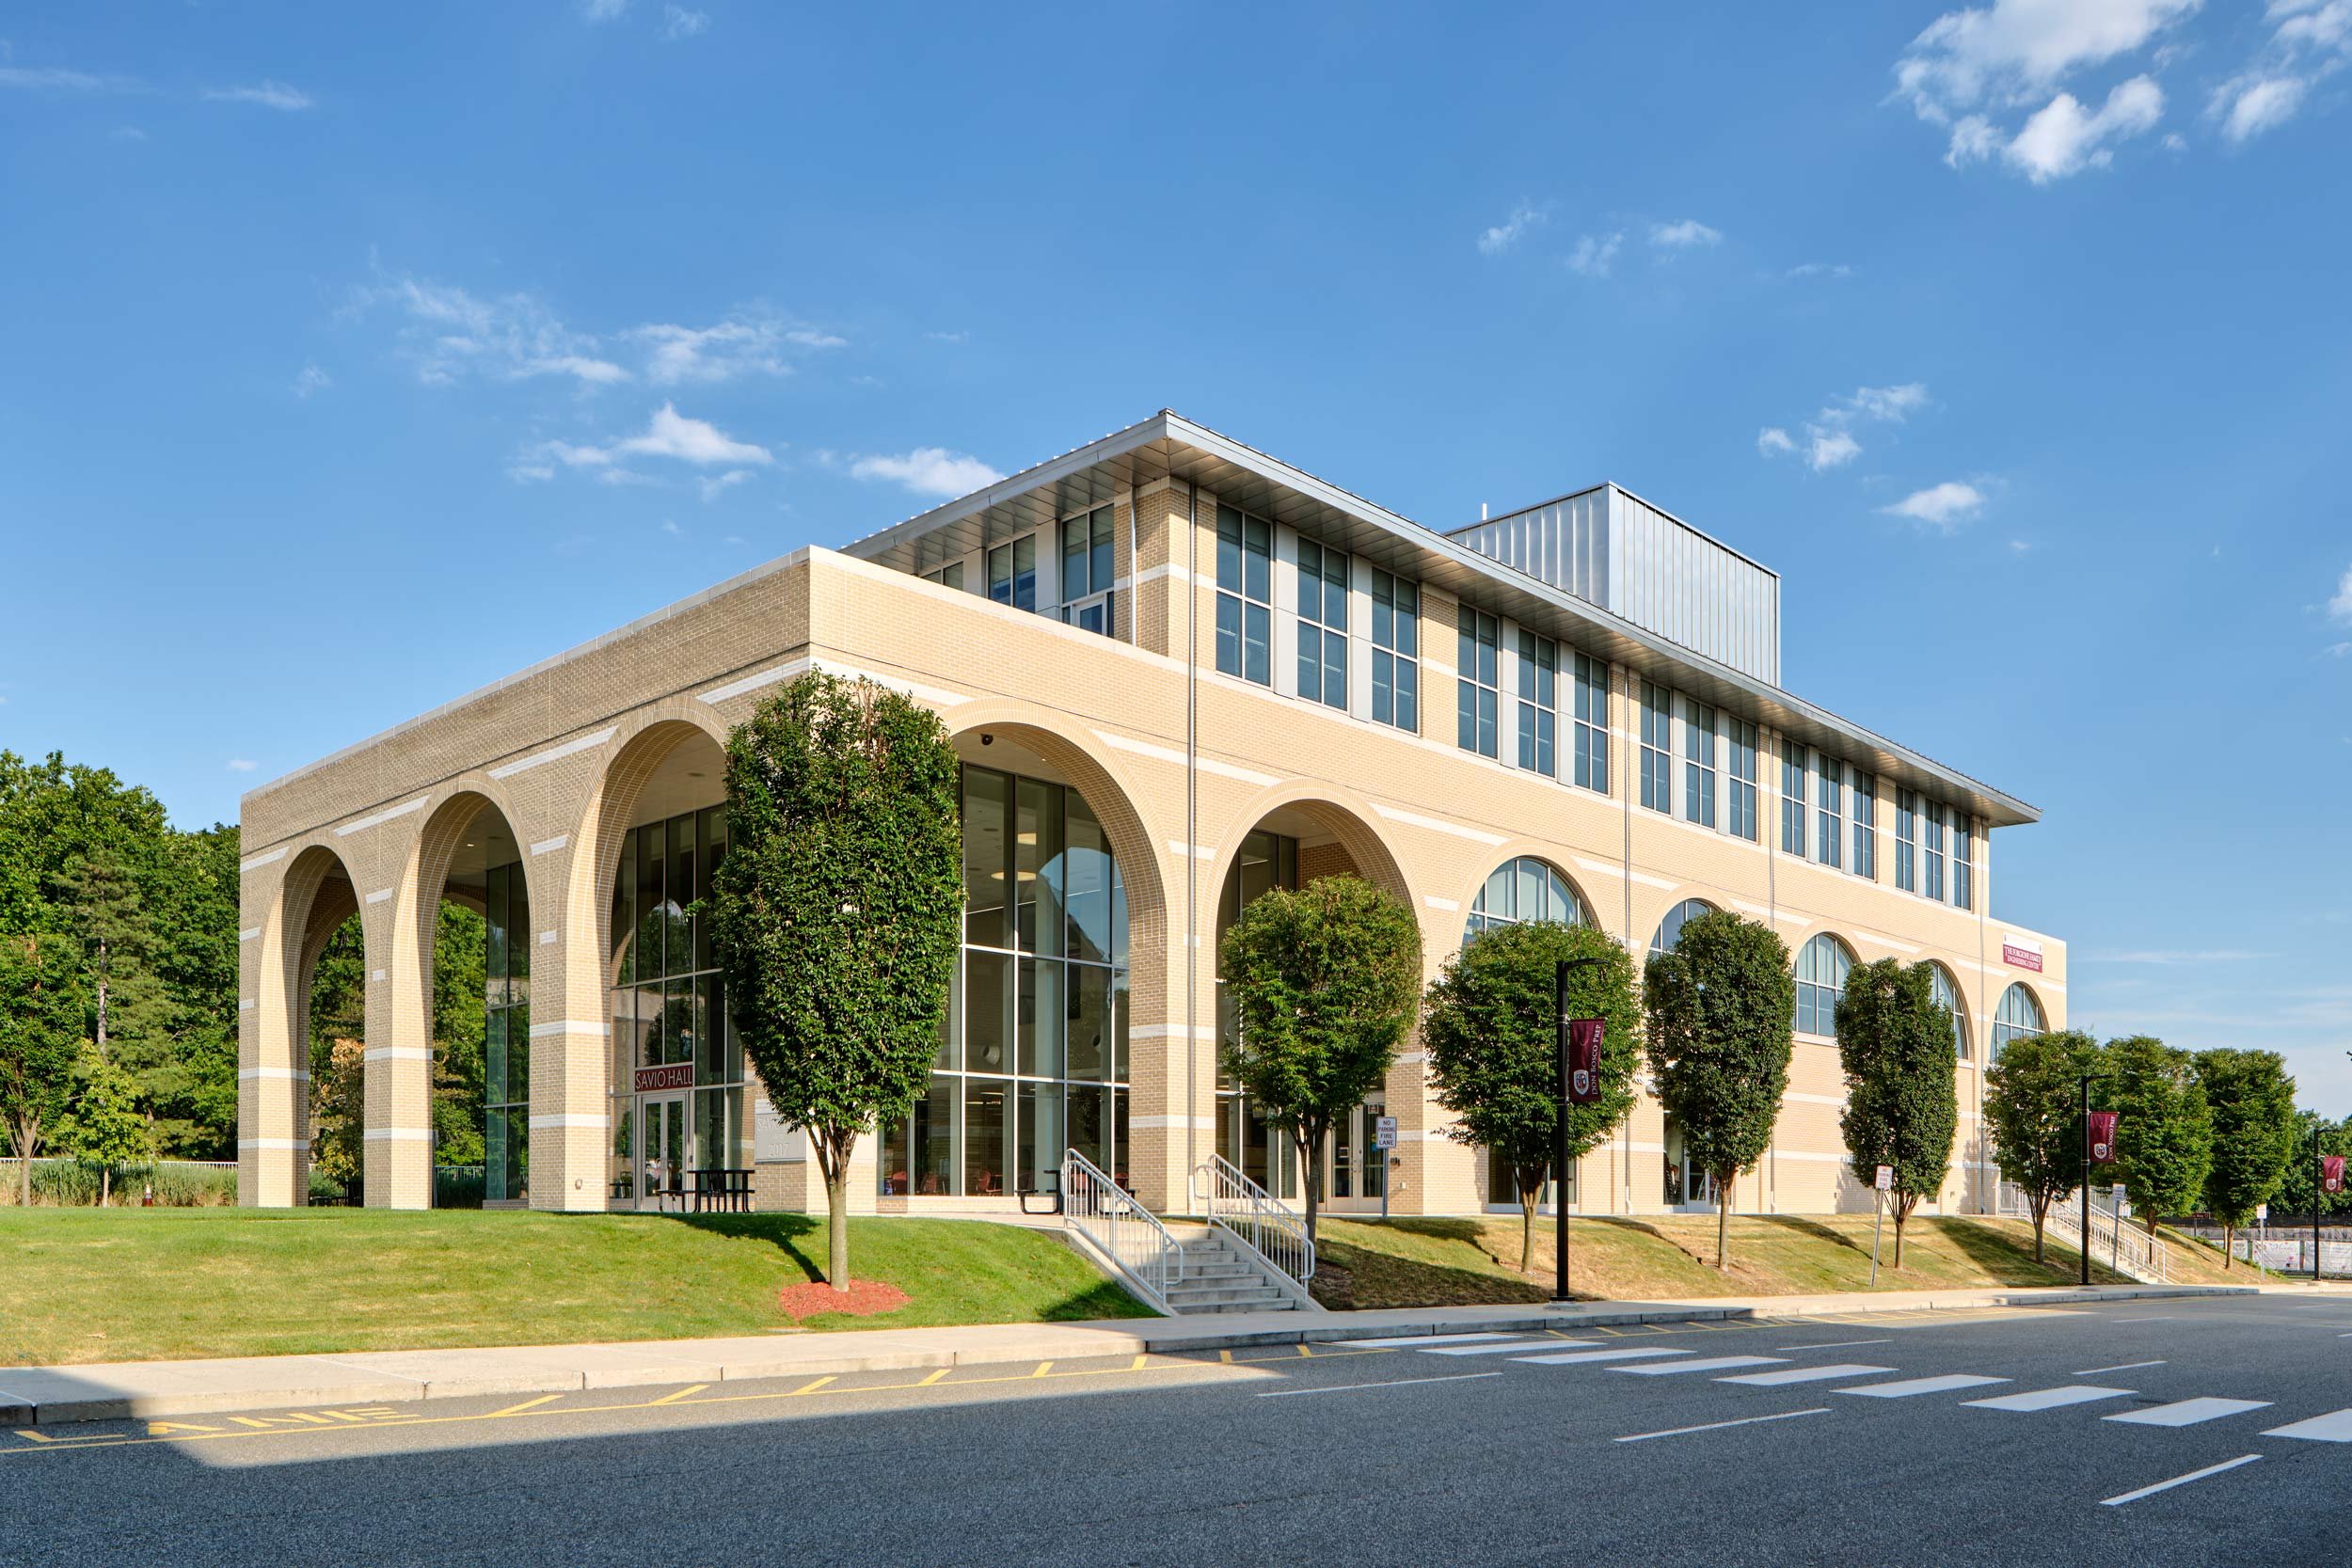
x: 1524, y: 849
x: 451, y: 812
x: 315, y: 893
x: 1345, y: 816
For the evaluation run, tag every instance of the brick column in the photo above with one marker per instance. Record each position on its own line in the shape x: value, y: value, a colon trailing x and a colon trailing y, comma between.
x: 396, y: 1156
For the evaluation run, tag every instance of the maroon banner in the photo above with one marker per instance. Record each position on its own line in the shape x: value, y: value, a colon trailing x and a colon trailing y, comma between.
x: 676, y: 1076
x: 2101, y: 1137
x: 1584, y: 1060
x: 2332, y: 1173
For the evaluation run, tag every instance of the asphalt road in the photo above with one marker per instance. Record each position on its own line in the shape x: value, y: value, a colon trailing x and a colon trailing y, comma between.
x: 1458, y: 1452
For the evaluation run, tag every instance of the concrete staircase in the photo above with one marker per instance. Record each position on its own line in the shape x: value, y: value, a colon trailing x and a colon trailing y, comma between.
x: 1221, y: 1276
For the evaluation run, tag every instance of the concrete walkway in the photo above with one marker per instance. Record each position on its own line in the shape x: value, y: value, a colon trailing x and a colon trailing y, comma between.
x: 43, y: 1396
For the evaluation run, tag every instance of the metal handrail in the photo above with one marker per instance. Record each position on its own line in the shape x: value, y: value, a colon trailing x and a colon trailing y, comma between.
x: 2128, y: 1249
x: 1256, y: 1219
x: 1127, y: 1236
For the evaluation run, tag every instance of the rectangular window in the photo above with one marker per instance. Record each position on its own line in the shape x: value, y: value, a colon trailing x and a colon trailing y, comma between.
x: 1698, y: 762
x: 1539, y: 696
x: 1830, y: 838
x: 1866, y: 826
x: 1792, y: 801
x: 1245, y: 596
x: 949, y: 575
x: 1322, y: 625
x: 1963, y: 861
x: 1658, y: 766
x: 1086, y: 571
x: 1906, y: 839
x: 1013, y: 573
x: 1743, y: 818
x: 1936, y: 851
x: 1478, y: 688
x: 1591, y: 724
x: 1396, y: 651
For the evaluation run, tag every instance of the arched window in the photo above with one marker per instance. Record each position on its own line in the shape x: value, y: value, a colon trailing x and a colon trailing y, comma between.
x: 1670, y: 928
x: 1821, y: 969
x: 2018, y: 1016
x: 1947, y: 995
x: 1522, y: 891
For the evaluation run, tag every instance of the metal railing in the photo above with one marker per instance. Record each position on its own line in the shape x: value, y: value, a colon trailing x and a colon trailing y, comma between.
x: 1128, y: 1237
x: 1256, y: 1219
x: 2126, y: 1248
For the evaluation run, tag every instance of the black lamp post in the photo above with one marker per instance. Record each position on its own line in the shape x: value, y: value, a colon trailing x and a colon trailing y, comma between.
x: 1560, y: 1140
x: 2087, y: 1079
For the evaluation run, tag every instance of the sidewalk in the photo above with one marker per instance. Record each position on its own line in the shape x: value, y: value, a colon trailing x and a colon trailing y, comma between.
x: 44, y: 1396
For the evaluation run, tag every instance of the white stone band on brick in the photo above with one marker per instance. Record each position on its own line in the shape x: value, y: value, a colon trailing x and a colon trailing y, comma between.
x: 396, y: 1053
x: 255, y: 863
x: 1437, y: 825
x: 1449, y: 905
x: 596, y: 1123
x: 1179, y: 848
x: 293, y: 1074
x: 1169, y: 1032
x: 381, y: 817
x: 274, y: 1142
x: 555, y: 754
x: 1171, y: 754
x: 546, y: 938
x: 567, y: 1026
x: 549, y: 846
x: 252, y: 934
x: 380, y: 895
x: 246, y: 1004
x: 397, y: 1134
x: 1203, y: 1124
x: 377, y: 975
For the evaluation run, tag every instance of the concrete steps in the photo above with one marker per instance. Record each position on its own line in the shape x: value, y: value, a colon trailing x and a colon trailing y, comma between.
x: 1220, y: 1278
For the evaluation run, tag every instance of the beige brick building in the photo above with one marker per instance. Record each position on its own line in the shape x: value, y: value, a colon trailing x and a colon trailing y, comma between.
x: 1179, y: 672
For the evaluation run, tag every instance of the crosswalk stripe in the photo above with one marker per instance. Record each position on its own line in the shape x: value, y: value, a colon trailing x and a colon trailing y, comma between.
x: 2334, y: 1427
x: 1804, y: 1374
x: 1910, y: 1386
x: 1505, y: 1348
x: 2050, y: 1399
x: 1419, y: 1341
x: 1578, y: 1358
x: 2187, y: 1412
x: 1705, y: 1363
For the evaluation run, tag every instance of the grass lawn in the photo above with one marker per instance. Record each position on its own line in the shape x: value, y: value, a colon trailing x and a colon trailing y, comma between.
x: 141, y: 1284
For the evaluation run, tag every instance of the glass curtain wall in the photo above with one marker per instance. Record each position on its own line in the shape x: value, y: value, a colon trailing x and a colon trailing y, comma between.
x: 506, y: 1038
x: 1033, y: 1052
x: 1267, y: 861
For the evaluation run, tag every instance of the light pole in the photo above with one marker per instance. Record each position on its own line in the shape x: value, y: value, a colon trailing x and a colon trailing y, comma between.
x: 2319, y: 1190
x: 1560, y: 1137
x: 2087, y: 1079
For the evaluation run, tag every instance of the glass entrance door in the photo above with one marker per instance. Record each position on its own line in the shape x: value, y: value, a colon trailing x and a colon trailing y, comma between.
x: 662, y: 1167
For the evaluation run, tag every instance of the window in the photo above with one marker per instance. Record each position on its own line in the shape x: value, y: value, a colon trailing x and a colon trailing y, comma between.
x: 1963, y: 861
x: 1086, y: 571
x: 1013, y: 573
x: 1866, y: 826
x: 1698, y: 762
x: 1245, y: 596
x: 1947, y: 996
x: 1669, y: 933
x: 1742, y: 733
x: 1822, y: 970
x: 1521, y: 892
x: 1658, y: 768
x: 506, y: 1036
x: 1267, y: 861
x: 1539, y: 697
x: 1322, y: 625
x: 1830, y: 840
x: 1478, y: 689
x: 1906, y: 839
x: 1591, y: 724
x: 1936, y: 851
x: 2018, y: 1016
x: 949, y: 575
x: 1396, y: 651
x: 1792, y: 801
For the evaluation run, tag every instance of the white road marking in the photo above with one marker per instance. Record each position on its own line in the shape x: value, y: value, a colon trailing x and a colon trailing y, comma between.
x: 1842, y: 1344
x: 1718, y: 1426
x: 2334, y: 1427
x: 2050, y: 1399
x: 1705, y: 1363
x: 2187, y: 1412
x: 1507, y: 1347
x: 1578, y: 1358
x: 2119, y: 1366
x: 1921, y: 1385
x: 2178, y: 1480
x: 1352, y: 1388
x: 2166, y: 1319
x: 1805, y: 1374
x: 1415, y: 1341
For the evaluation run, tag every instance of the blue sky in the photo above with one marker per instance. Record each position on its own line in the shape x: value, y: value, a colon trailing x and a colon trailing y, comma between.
x: 353, y: 360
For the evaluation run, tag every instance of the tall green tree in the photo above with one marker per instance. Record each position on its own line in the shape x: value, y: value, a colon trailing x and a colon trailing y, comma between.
x: 1490, y: 1026
x: 2313, y: 1134
x: 1324, y: 982
x: 837, y: 913
x: 2033, y: 1112
x: 105, y: 1128
x: 40, y: 1031
x: 2251, y: 1101
x: 106, y: 906
x: 1722, y: 1023
x: 2162, y: 1127
x: 459, y: 1069
x: 1895, y: 1042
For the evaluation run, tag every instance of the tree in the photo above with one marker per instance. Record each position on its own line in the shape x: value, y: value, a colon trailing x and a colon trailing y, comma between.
x: 1895, y: 1043
x: 2251, y: 1101
x: 105, y: 1127
x: 838, y: 914
x: 1324, y: 983
x: 40, y: 1030
x: 2163, y: 1128
x: 2033, y: 1111
x: 107, y: 909
x: 1490, y: 1025
x: 2313, y: 1134
x: 1722, y: 1023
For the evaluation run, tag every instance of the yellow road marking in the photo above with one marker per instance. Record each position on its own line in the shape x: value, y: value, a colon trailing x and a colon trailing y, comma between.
x: 1042, y: 1368
x: 1136, y: 1365
x: 33, y: 1437
x: 698, y: 1387
x: 934, y: 1377
x: 808, y: 1387
x: 1305, y: 1349
x: 527, y: 1404
x: 1226, y: 1356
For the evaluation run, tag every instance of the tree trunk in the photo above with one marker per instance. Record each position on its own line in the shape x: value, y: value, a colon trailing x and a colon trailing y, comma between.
x: 1310, y: 1161
x: 2152, y: 1224
x: 1528, y: 1199
x: 1902, y: 1212
x: 105, y: 1184
x: 2229, y: 1246
x: 832, y: 1158
x: 1723, y: 1224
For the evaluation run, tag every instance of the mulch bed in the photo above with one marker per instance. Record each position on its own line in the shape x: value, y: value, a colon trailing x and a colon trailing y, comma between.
x: 865, y: 1298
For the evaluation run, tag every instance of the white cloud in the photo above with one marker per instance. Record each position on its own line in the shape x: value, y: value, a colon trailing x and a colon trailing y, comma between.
x: 671, y: 434
x: 2341, y: 605
x: 929, y: 472
x: 602, y: 11
x: 2312, y: 40
x: 1887, y: 403
x: 2261, y: 104
x: 309, y: 380
x: 242, y: 765
x: 1829, y: 438
x: 1595, y: 253
x: 2063, y: 138
x: 805, y: 336
x: 948, y: 337
x: 1689, y: 232
x: 1832, y: 449
x: 1944, y: 506
x: 451, y: 332
x: 679, y: 22
x: 713, y: 486
x: 1772, y: 441
x: 1503, y: 235
x: 269, y: 95
x: 667, y: 434
x: 739, y: 345
x: 59, y: 79
x: 1819, y: 269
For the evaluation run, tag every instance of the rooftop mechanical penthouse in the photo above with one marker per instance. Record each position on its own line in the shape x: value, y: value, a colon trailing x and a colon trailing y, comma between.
x: 1179, y: 672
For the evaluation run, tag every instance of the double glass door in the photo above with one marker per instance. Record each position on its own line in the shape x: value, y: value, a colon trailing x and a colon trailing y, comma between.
x: 662, y: 1164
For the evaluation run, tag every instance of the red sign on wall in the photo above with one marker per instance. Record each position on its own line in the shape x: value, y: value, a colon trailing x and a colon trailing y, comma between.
x: 1584, y: 1060
x: 2018, y: 953
x: 676, y: 1076
x: 2101, y: 1137
x: 2332, y: 1173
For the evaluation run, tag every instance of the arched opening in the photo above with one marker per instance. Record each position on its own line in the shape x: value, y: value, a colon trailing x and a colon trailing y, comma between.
x: 322, y: 942
x: 1946, y: 989
x: 1669, y: 933
x: 1822, y: 965
x: 2019, y: 1015
x: 1523, y: 892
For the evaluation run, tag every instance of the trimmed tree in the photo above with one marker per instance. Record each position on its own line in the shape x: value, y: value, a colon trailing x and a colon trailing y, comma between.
x: 2033, y: 1111
x: 2163, y: 1128
x: 1490, y: 1026
x: 40, y: 1031
x: 1721, y: 1022
x: 1324, y: 982
x: 837, y: 913
x: 104, y: 1128
x: 1895, y: 1042
x: 2251, y: 1101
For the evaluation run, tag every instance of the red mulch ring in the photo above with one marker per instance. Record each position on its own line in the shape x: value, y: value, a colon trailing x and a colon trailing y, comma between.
x: 865, y: 1298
